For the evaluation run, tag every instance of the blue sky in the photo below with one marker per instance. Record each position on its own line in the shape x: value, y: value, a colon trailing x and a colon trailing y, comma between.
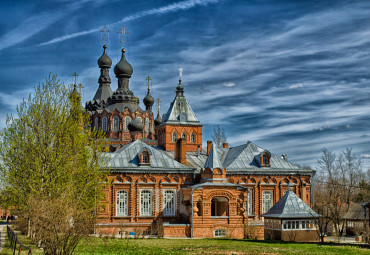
x: 290, y: 76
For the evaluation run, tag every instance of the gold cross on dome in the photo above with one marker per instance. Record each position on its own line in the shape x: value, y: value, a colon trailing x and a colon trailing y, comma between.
x: 123, y: 31
x: 105, y: 33
x: 148, y: 79
x: 75, y: 75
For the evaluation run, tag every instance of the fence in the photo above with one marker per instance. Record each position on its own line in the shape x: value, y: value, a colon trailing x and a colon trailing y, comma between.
x: 13, y: 239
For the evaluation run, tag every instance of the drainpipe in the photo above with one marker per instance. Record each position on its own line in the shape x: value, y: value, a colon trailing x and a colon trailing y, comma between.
x: 248, y: 210
x: 192, y: 211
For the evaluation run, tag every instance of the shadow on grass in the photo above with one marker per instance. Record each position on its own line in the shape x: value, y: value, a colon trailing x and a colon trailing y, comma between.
x: 359, y: 245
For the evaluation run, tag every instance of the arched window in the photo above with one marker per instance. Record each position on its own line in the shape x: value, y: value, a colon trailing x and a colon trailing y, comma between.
x: 174, y: 137
x: 183, y: 135
x: 104, y: 124
x: 265, y: 159
x: 145, y: 159
x: 115, y: 124
x: 249, y: 203
x: 127, y: 121
x: 169, y: 202
x: 146, y: 203
x: 122, y: 203
x: 96, y: 124
x: 192, y: 138
x: 147, y: 125
x: 266, y: 201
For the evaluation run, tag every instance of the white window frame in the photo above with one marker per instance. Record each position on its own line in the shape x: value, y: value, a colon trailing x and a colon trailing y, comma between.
x: 122, y: 203
x: 249, y: 203
x: 267, y: 200
x: 104, y: 124
x: 169, y: 208
x: 174, y: 136
x: 127, y: 121
x: 146, y: 207
x: 115, y: 123
x: 220, y: 233
x: 193, y: 138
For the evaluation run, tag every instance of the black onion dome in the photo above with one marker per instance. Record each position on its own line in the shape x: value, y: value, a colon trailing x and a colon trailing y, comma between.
x: 148, y: 99
x: 158, y: 121
x: 123, y: 68
x: 104, y: 60
x: 135, y: 125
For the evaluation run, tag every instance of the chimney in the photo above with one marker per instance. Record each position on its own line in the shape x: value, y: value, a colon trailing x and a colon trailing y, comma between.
x: 180, y: 151
x: 198, y: 150
x: 225, y: 145
x: 209, y: 145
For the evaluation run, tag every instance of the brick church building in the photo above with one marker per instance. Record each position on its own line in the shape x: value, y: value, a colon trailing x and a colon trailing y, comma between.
x: 164, y: 180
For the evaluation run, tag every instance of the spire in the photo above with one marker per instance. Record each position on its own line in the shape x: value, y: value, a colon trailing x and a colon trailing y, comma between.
x: 104, y: 90
x: 158, y: 120
x: 213, y: 160
x: 180, y: 88
x: 148, y: 99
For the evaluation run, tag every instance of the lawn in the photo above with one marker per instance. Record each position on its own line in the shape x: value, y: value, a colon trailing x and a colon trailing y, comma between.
x: 94, y: 245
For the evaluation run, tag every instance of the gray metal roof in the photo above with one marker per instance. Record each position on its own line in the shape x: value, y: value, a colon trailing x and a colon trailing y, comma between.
x: 356, y: 212
x: 128, y: 158
x: 213, y: 160
x: 216, y: 184
x: 121, y: 107
x: 103, y: 93
x: 290, y: 206
x: 243, y: 157
x: 180, y: 112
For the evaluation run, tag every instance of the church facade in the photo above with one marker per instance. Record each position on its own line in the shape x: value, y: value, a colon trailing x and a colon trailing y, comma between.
x: 163, y: 181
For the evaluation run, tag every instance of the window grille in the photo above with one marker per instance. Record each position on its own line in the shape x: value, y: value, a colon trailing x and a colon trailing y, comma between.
x: 266, y: 201
x: 96, y: 124
x: 115, y: 124
x: 169, y: 202
x: 145, y: 157
x: 192, y: 138
x: 122, y: 203
x: 146, y: 203
x: 104, y: 124
x: 174, y: 137
x: 127, y: 121
x: 220, y: 233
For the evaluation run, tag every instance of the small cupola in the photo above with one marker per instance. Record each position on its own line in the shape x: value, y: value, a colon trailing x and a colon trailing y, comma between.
x: 179, y: 89
x: 148, y: 99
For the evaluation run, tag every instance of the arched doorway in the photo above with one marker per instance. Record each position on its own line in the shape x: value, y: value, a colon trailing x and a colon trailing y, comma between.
x: 219, y: 207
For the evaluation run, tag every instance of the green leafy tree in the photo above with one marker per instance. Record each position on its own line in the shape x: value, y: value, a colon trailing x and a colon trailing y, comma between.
x: 48, y: 158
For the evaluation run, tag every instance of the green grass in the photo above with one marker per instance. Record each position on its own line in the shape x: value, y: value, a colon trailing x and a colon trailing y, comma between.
x: 94, y: 245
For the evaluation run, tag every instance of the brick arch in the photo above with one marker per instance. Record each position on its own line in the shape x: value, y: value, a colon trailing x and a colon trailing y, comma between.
x: 294, y: 180
x: 263, y: 180
x: 165, y: 179
x: 242, y: 180
x: 152, y: 179
x: 230, y: 180
x: 117, y: 179
x: 207, y: 171
x: 273, y: 180
x: 141, y: 179
x: 284, y: 181
x: 175, y: 179
x: 251, y: 181
x: 219, y: 193
x: 217, y: 171
x: 127, y: 179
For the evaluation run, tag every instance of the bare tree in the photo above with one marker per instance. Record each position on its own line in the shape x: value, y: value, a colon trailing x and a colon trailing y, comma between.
x: 219, y: 136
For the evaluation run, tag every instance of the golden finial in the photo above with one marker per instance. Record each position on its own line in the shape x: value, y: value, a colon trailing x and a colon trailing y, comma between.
x: 123, y: 31
x: 148, y: 79
x: 158, y: 101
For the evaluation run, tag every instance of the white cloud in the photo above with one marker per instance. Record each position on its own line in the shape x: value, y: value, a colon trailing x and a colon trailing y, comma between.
x: 183, y: 5
x: 294, y: 86
x: 365, y: 156
x: 229, y: 84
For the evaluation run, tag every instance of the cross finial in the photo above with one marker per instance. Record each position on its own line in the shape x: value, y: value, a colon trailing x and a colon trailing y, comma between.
x: 180, y: 72
x: 104, y: 33
x: 80, y: 87
x: 158, y: 101
x: 75, y: 75
x: 148, y: 79
x: 123, y: 31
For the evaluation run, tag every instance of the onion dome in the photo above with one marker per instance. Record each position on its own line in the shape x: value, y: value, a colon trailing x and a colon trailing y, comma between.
x: 135, y: 125
x: 123, y: 68
x: 148, y: 100
x: 158, y: 121
x: 104, y: 60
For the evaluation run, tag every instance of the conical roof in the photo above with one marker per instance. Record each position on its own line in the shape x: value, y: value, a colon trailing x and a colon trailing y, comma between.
x: 291, y: 206
x: 213, y: 160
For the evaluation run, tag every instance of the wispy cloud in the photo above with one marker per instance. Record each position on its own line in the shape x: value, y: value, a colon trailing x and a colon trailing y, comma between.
x: 294, y: 86
x: 179, y: 6
x: 229, y: 84
x: 36, y: 23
